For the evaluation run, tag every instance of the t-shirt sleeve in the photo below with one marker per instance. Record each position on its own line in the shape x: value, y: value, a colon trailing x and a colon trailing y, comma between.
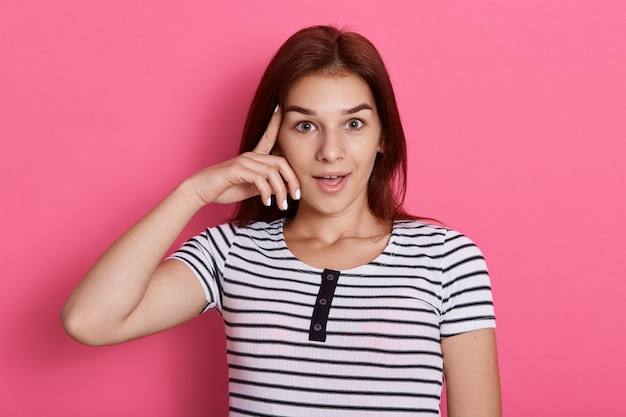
x: 467, y: 299
x: 206, y: 255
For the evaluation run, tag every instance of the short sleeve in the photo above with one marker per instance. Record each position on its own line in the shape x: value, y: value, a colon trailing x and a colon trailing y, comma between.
x: 467, y: 299
x: 206, y: 255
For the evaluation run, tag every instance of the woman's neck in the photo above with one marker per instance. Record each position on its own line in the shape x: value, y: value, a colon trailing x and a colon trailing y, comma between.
x: 331, y: 229
x: 336, y: 242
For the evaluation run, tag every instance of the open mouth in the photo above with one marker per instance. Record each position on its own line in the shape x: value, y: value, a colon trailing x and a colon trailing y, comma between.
x: 331, y: 183
x: 331, y: 179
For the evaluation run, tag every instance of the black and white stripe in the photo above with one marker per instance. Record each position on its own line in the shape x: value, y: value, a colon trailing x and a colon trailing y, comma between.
x: 382, y: 353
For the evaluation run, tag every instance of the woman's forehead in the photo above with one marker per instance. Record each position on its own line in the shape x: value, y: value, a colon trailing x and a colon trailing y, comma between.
x: 343, y: 93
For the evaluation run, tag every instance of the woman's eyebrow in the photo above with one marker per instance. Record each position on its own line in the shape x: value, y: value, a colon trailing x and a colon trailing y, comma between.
x: 310, y: 112
x: 358, y: 108
x: 299, y: 109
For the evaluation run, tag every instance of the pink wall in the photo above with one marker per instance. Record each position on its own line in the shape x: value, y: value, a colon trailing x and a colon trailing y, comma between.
x: 516, y: 114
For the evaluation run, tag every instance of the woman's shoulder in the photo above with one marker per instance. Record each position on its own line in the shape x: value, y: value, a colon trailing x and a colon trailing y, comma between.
x: 425, y: 232
x: 253, y: 230
x: 415, y: 228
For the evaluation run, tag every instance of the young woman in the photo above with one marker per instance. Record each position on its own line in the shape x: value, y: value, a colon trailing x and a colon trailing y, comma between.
x: 335, y: 300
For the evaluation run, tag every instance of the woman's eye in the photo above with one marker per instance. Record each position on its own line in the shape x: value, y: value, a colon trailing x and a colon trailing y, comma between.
x: 354, y: 124
x: 305, y: 127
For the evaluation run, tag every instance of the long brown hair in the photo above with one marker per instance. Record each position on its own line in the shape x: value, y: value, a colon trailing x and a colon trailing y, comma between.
x: 328, y: 50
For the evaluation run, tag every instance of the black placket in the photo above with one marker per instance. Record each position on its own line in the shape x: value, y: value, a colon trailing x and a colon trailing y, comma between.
x: 317, y: 331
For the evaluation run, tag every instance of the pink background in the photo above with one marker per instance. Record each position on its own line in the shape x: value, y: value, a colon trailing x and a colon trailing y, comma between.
x: 516, y: 117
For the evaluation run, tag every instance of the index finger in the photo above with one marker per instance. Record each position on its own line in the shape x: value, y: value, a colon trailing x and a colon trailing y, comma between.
x: 268, y: 140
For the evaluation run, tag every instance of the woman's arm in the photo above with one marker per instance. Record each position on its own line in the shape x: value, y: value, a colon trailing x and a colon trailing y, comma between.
x: 470, y: 365
x: 119, y: 298
x: 129, y: 292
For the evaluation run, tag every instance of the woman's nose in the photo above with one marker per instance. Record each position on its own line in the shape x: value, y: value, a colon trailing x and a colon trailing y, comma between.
x: 330, y: 146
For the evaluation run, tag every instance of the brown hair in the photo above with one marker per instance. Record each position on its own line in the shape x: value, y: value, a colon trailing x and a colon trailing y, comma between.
x: 331, y: 51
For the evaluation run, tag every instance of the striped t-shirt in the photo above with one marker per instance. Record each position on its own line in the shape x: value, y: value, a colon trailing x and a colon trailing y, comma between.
x: 304, y: 341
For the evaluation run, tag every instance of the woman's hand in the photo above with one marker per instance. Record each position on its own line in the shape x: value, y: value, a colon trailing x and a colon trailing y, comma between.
x: 250, y: 174
x: 129, y: 292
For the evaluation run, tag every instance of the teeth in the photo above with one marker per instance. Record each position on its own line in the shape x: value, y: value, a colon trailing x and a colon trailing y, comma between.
x: 331, y: 177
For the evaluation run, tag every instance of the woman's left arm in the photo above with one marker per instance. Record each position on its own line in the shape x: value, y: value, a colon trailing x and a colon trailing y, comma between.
x: 470, y: 366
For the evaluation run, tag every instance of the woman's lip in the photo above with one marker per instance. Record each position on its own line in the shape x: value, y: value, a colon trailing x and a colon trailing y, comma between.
x: 331, y: 174
x: 331, y: 183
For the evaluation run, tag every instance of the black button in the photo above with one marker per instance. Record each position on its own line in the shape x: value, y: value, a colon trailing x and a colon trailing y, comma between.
x: 330, y: 277
x: 317, y: 327
x: 323, y: 301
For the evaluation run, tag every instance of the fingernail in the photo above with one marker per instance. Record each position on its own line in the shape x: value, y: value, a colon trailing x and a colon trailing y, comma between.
x: 298, y: 194
x: 285, y: 206
x: 276, y: 109
x: 268, y: 202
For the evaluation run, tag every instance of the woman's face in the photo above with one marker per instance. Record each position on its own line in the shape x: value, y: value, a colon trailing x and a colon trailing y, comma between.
x: 330, y: 134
